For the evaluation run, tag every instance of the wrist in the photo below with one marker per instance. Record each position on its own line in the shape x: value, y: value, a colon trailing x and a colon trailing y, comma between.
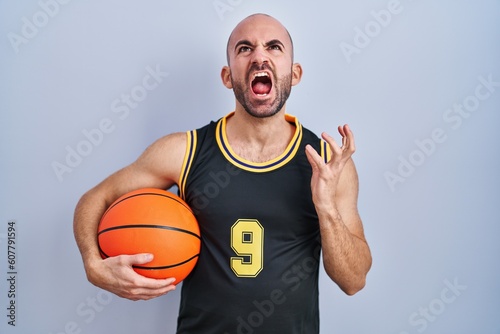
x: 327, y: 212
x: 91, y: 265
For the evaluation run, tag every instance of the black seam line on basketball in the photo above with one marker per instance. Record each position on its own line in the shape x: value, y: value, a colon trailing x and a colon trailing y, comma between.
x: 141, y: 194
x: 166, y: 267
x: 102, y: 252
x: 149, y: 226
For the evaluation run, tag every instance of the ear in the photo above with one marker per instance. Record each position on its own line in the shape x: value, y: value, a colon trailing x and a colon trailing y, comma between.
x: 225, y: 75
x: 296, y: 73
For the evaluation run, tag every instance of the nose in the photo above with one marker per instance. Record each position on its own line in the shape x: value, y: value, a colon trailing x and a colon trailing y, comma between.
x: 260, y: 56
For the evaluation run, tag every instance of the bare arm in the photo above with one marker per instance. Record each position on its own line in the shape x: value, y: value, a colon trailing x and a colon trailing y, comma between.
x: 158, y: 167
x: 346, y: 255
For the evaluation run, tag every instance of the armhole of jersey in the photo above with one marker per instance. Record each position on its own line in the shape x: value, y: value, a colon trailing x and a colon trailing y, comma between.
x: 326, y: 152
x: 191, y: 139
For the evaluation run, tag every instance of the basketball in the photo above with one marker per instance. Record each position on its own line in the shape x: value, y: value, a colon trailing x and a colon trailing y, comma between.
x: 152, y: 221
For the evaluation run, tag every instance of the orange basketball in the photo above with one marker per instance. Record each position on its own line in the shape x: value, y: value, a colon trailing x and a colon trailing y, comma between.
x: 152, y: 221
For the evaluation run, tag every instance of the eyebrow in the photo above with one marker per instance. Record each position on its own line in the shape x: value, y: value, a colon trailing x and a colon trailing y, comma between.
x: 271, y: 42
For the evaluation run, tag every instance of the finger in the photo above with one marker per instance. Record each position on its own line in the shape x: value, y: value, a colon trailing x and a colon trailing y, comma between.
x: 341, y: 130
x: 333, y: 144
x: 139, y: 280
x: 313, y: 157
x: 344, y: 132
x: 350, y: 137
x: 347, y: 138
x: 144, y: 282
x: 142, y: 258
x: 155, y: 284
x: 144, y: 294
x: 146, y: 288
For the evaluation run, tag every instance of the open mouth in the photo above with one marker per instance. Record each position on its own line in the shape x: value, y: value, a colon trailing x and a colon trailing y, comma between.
x: 261, y: 84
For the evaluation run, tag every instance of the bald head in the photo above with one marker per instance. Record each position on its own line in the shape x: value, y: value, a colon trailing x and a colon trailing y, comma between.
x: 251, y: 24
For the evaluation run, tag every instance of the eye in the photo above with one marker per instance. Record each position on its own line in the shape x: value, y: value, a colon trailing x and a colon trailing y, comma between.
x: 275, y: 47
x: 244, y: 49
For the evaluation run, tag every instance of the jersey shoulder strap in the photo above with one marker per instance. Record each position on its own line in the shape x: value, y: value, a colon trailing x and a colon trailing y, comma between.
x: 193, y: 141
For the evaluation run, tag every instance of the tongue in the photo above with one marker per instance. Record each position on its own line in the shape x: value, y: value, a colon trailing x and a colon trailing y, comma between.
x: 261, y: 88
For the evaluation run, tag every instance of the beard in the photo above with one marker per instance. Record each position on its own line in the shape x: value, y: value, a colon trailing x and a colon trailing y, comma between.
x: 262, y: 109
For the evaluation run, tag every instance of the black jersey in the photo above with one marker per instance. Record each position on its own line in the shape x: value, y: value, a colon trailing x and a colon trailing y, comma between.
x: 258, y: 267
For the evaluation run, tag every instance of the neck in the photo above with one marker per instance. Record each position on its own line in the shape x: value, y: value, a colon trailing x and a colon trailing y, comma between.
x: 259, y: 139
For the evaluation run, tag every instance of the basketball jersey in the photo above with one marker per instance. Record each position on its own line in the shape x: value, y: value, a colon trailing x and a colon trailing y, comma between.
x: 258, y: 267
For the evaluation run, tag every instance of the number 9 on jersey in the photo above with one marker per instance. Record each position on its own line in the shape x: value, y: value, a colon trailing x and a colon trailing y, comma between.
x: 247, y: 241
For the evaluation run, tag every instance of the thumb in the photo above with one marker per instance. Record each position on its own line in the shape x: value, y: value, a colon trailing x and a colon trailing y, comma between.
x: 313, y: 157
x: 139, y: 258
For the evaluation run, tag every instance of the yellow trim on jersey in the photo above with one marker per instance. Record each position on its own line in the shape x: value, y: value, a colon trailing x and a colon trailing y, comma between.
x: 258, y: 167
x: 191, y: 139
x: 326, y: 151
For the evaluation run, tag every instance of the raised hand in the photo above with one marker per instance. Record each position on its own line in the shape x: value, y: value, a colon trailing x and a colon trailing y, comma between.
x: 326, y: 176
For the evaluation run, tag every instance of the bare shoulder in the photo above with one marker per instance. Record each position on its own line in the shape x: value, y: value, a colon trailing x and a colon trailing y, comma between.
x: 173, y: 144
x: 163, y: 159
x: 158, y: 166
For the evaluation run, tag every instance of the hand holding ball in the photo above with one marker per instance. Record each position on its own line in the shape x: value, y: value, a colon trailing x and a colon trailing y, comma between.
x: 152, y: 221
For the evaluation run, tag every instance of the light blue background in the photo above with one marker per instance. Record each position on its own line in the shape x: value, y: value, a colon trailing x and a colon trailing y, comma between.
x: 439, y: 227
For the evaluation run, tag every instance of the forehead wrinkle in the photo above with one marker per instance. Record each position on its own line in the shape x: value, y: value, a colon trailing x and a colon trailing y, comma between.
x: 273, y: 41
x: 252, y: 18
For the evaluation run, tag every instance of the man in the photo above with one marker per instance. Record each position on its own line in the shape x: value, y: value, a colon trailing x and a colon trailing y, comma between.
x: 279, y: 204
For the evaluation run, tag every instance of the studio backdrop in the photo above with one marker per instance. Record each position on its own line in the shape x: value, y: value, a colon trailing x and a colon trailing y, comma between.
x: 85, y: 87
